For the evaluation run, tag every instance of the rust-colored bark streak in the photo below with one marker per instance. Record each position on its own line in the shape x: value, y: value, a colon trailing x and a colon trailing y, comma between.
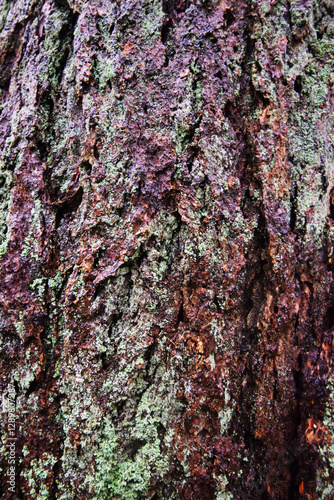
x: 199, y: 127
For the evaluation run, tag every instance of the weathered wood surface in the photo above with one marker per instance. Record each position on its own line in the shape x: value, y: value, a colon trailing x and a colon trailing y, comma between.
x: 167, y: 236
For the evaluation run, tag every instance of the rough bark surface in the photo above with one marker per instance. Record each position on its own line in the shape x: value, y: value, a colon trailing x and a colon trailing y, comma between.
x: 167, y: 234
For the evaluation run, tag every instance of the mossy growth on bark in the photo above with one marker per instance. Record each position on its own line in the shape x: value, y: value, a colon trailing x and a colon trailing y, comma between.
x: 166, y: 245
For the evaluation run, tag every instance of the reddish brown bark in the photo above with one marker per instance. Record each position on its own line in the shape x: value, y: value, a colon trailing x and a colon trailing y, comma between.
x: 166, y: 220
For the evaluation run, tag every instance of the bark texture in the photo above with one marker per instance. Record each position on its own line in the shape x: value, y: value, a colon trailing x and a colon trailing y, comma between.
x: 167, y: 235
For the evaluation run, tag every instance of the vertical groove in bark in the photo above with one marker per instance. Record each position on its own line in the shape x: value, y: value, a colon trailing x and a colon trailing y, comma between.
x: 167, y: 248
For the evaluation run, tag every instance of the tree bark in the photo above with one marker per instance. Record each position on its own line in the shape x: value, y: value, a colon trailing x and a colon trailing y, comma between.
x: 167, y: 246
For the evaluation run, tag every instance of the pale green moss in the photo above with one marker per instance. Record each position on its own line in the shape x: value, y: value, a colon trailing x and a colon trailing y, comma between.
x: 20, y: 328
x: 4, y: 9
x: 30, y: 247
x: 221, y: 493
x: 226, y: 414
x: 39, y: 285
x: 126, y: 473
x: 39, y: 472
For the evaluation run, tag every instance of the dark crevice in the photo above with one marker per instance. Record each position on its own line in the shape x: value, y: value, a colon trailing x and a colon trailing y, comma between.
x: 250, y: 45
x: 324, y: 181
x: 104, y: 361
x: 229, y: 18
x: 247, y: 205
x: 45, y: 130
x: 189, y: 145
x: 174, y: 7
x: 62, y: 62
x: 167, y: 26
x: 98, y: 256
x: 64, y: 282
x: 138, y: 261
x: 261, y: 235
x: 161, y: 429
x: 251, y: 338
x: 329, y: 319
x: 17, y: 388
x: 149, y: 353
x: 117, y: 316
x: 87, y: 167
x: 69, y: 205
x: 133, y: 447
x: 275, y: 390
x: 43, y: 149
x: 55, y: 471
x: 57, y: 466
x: 181, y: 317
x: 287, y: 16
x: 65, y: 38
x: 33, y: 386
x: 229, y: 110
x: 46, y: 102
x: 96, y: 149
x: 148, y: 358
x: 120, y: 407
x: 210, y: 36
x: 62, y: 3
x: 13, y: 43
x: 216, y: 302
x: 331, y: 204
x: 262, y: 98
x: 194, y: 153
x: 298, y: 84
x: 293, y: 207
x: 191, y: 132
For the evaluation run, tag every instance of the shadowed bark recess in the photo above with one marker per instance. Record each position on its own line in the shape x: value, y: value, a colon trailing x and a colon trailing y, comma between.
x: 167, y: 248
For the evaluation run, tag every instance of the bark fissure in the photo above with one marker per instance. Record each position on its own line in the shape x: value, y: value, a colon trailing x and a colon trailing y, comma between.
x: 167, y: 236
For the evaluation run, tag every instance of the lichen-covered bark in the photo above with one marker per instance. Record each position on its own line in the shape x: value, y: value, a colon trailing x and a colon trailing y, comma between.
x: 167, y: 235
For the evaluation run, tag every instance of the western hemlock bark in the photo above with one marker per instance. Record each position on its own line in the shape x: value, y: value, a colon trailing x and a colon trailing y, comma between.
x: 167, y: 248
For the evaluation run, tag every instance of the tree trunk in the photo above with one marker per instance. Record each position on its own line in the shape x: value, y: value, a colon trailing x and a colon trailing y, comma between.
x: 167, y: 243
